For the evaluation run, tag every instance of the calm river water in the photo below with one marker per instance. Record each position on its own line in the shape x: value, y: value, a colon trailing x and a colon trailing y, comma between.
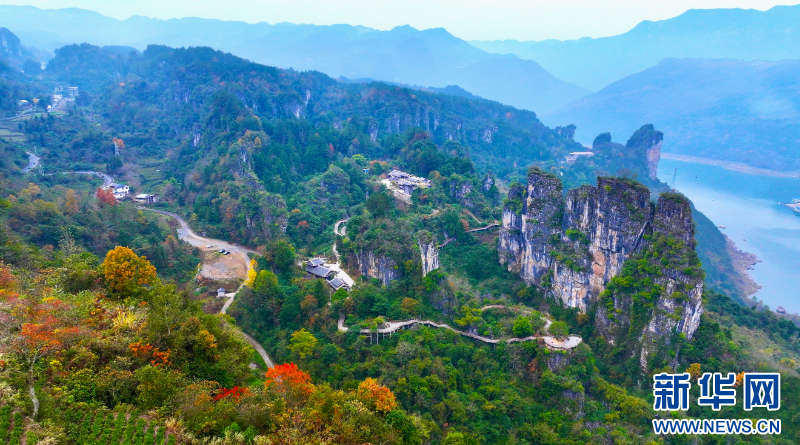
x: 747, y: 205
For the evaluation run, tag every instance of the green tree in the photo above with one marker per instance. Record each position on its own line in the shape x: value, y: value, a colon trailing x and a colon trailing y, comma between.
x: 458, y: 438
x: 284, y: 258
x: 559, y: 329
x: 339, y: 295
x: 320, y: 293
x: 303, y: 343
x: 379, y: 204
x: 157, y: 385
x: 522, y: 327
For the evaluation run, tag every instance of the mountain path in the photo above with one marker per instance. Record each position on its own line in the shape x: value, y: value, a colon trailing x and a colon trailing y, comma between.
x: 552, y: 342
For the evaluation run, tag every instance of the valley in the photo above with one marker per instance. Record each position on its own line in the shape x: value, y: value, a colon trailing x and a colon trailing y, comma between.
x: 748, y: 205
x: 294, y: 258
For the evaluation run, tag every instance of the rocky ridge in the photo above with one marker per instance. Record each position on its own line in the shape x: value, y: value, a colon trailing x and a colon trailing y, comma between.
x: 576, y: 246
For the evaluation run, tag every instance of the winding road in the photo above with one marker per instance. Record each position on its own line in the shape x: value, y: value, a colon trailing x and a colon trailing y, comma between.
x: 186, y: 233
x: 33, y: 161
x: 107, y: 180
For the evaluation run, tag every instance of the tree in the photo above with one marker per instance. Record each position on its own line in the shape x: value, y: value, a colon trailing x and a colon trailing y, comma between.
x: 119, y: 146
x: 284, y: 258
x: 376, y: 395
x: 106, y: 197
x: 409, y: 306
x: 251, y: 274
x: 559, y: 329
x: 157, y: 385
x: 694, y: 370
x: 125, y: 272
x: 32, y: 329
x: 458, y: 438
x: 379, y: 204
x: 320, y: 293
x: 288, y: 379
x: 522, y: 327
x: 339, y: 295
x: 71, y: 203
x: 303, y: 343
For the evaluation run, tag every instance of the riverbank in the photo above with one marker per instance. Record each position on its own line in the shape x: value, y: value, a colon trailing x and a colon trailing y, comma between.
x: 743, y: 263
x: 733, y: 166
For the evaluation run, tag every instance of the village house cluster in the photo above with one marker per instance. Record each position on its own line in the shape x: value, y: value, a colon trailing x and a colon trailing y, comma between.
x: 122, y: 191
x: 57, y: 99
x: 406, y: 182
x: 335, y: 276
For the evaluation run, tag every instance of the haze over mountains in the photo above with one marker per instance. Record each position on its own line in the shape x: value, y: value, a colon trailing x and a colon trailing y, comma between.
x: 734, y: 109
x: 708, y: 33
x: 725, y: 109
x: 432, y: 57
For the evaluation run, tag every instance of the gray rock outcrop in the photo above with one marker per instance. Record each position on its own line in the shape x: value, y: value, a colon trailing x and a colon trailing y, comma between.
x: 574, y: 247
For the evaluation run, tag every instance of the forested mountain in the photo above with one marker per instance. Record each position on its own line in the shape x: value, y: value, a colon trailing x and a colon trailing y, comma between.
x: 431, y: 57
x: 744, y: 34
x: 111, y: 327
x: 720, y: 109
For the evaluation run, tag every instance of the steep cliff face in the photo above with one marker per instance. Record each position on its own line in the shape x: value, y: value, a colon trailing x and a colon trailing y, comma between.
x: 653, y: 156
x: 428, y: 251
x: 581, y: 241
x: 531, y: 217
x: 608, y: 244
x: 659, y: 295
x: 381, y: 267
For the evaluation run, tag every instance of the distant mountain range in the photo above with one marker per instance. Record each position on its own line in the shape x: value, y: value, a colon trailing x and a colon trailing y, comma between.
x: 743, y: 111
x: 710, y: 33
x: 405, y: 55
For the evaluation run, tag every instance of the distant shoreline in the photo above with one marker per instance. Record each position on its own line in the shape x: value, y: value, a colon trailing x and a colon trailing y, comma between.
x: 734, y: 166
x: 743, y: 262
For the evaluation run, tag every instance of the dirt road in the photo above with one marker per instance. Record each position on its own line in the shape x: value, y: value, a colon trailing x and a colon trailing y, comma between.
x: 187, y: 234
x: 235, y: 266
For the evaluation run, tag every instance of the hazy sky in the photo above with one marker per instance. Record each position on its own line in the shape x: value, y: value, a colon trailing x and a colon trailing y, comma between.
x: 467, y: 19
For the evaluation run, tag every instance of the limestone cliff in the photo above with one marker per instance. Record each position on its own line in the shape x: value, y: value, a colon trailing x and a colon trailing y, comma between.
x: 575, y: 247
x: 660, y: 293
x: 531, y: 216
x: 429, y: 252
x: 373, y: 266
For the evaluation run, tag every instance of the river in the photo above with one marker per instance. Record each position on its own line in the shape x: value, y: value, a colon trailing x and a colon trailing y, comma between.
x: 748, y: 206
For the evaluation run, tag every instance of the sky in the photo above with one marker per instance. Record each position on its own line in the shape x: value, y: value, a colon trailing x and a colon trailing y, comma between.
x: 467, y: 19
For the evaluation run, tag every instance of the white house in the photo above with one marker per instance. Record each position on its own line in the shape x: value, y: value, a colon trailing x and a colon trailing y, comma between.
x: 572, y: 157
x: 120, y: 191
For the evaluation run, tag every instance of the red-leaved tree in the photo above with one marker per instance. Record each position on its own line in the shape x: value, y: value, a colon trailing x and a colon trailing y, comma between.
x: 31, y: 329
x: 106, y: 197
x: 289, y: 380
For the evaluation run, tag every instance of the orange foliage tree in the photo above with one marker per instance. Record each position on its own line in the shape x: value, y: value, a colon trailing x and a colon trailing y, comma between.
x: 288, y: 379
x: 106, y: 197
x: 31, y: 329
x: 377, y: 395
x: 124, y: 271
x: 71, y: 205
x: 144, y: 351
x: 119, y: 144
